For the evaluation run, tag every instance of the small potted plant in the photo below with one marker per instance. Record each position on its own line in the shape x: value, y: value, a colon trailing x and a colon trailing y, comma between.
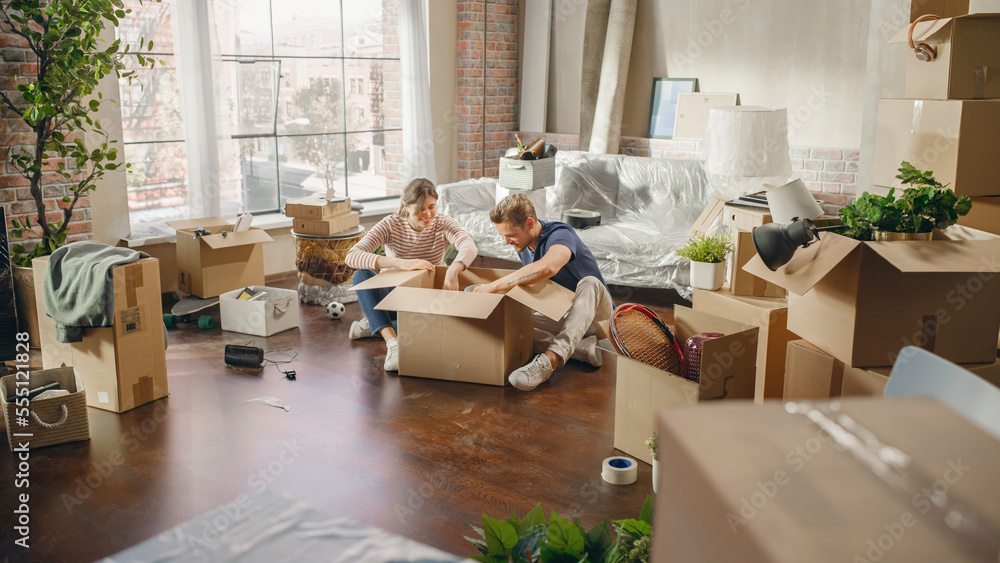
x: 926, y: 206
x: 653, y: 445
x: 708, y: 259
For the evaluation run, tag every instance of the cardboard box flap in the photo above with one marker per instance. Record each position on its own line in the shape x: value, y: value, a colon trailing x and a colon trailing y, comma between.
x: 231, y: 239
x: 808, y: 266
x: 549, y: 299
x: 923, y: 31
x: 207, y: 222
x: 939, y: 256
x: 393, y: 278
x: 435, y: 302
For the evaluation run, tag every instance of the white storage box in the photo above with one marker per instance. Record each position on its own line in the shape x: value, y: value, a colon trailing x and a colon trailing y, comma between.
x: 276, y: 312
x: 527, y: 174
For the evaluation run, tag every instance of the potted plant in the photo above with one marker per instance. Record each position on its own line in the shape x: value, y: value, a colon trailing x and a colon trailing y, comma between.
x: 926, y: 206
x: 653, y: 445
x: 57, y: 104
x: 708, y: 259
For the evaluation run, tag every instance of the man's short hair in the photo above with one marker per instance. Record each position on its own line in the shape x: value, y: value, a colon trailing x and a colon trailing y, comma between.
x: 514, y: 209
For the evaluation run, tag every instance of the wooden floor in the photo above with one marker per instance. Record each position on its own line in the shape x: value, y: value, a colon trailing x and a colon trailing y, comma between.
x: 418, y: 457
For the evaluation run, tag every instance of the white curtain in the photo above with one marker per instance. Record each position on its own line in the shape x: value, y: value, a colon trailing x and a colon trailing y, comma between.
x: 418, y: 131
x: 196, y: 41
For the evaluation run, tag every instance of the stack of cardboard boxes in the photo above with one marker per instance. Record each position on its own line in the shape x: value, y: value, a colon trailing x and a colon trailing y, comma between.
x: 317, y: 215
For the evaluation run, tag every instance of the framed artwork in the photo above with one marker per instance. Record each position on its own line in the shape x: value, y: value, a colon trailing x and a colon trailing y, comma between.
x: 663, y: 107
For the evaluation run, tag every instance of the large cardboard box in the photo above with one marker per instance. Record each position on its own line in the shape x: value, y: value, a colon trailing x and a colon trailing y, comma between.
x: 942, y: 8
x: 728, y: 369
x: 968, y: 54
x: 465, y: 336
x: 213, y: 264
x: 331, y: 226
x: 122, y: 366
x: 742, y: 282
x: 861, y: 302
x: 770, y: 315
x: 811, y: 374
x: 860, y: 382
x: 317, y: 207
x: 758, y: 484
x: 956, y: 139
x: 984, y: 215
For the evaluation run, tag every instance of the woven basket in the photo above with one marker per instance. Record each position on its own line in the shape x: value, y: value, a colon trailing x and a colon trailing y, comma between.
x: 48, y: 421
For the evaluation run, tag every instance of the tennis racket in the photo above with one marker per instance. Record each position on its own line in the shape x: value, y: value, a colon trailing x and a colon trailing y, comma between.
x: 640, y: 334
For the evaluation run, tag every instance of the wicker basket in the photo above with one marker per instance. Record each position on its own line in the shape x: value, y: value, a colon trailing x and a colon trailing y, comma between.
x: 321, y: 259
x: 46, y: 421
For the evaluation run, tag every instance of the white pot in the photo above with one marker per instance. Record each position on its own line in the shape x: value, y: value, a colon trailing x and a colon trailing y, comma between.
x: 706, y: 275
x: 656, y: 474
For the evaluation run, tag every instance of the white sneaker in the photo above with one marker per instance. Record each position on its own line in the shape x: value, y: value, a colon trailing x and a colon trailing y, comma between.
x: 588, y: 352
x: 391, y: 355
x: 532, y: 374
x: 360, y: 329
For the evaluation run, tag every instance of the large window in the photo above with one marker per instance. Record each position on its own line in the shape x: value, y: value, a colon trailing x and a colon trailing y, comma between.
x: 302, y: 86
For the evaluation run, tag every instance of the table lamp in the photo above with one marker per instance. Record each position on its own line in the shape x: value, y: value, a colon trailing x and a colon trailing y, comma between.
x: 746, y: 147
x: 776, y: 243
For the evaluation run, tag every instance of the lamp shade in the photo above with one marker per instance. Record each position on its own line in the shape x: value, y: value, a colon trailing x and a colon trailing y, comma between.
x: 792, y: 200
x: 746, y: 147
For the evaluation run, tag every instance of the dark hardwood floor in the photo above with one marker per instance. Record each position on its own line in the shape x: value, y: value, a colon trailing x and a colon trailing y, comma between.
x: 417, y: 457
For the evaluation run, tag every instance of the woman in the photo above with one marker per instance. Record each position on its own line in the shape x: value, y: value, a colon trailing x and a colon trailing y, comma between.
x: 415, y: 238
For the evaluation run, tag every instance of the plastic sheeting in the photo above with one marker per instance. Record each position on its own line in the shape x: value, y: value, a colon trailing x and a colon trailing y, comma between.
x: 648, y: 205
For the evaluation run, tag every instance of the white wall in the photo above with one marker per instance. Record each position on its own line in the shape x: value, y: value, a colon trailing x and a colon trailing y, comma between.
x: 443, y: 43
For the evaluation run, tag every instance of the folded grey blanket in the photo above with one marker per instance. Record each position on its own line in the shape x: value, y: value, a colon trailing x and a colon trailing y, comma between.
x: 79, y: 286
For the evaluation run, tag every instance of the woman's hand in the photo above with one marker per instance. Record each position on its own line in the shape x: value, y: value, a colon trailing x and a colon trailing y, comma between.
x: 450, y: 280
x: 416, y: 264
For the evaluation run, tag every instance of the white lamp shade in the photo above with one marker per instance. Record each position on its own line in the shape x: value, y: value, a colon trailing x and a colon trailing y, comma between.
x: 745, y: 147
x: 792, y: 200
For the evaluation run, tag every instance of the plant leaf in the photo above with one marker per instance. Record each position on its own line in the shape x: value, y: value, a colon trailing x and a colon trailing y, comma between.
x: 563, y: 534
x: 500, y: 536
x: 646, y: 515
x: 534, y: 518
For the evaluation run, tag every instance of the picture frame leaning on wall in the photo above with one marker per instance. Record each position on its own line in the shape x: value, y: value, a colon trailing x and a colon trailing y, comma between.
x: 663, y: 104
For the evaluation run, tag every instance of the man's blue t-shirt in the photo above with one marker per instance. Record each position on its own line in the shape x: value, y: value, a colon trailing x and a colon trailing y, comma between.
x: 580, y: 265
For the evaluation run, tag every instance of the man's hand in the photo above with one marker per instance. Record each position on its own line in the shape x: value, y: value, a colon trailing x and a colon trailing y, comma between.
x: 416, y: 264
x: 486, y: 288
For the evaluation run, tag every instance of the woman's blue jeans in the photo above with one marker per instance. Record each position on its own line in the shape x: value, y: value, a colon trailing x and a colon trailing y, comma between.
x: 369, y: 298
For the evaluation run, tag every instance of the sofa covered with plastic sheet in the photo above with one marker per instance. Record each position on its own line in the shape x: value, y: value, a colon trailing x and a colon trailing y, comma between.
x: 647, y: 207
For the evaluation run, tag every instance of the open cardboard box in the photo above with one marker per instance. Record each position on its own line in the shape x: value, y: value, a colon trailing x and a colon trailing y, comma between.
x: 464, y: 336
x: 811, y: 374
x: 968, y: 56
x: 728, y: 370
x: 861, y: 302
x: 211, y: 265
x: 860, y: 382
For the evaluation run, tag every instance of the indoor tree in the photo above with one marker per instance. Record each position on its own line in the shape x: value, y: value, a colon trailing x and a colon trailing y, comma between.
x: 57, y: 104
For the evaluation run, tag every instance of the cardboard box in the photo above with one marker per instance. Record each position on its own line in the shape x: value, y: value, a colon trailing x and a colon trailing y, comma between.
x: 464, y: 336
x: 317, y: 207
x: 984, y: 215
x: 213, y: 264
x: 42, y: 416
x: 742, y: 282
x: 860, y: 382
x: 758, y: 484
x: 527, y: 174
x: 770, y: 315
x: 332, y: 226
x: 968, y: 54
x: 861, y: 302
x: 728, y: 370
x: 122, y: 366
x: 811, y: 374
x: 943, y: 8
x: 277, y: 312
x: 953, y: 138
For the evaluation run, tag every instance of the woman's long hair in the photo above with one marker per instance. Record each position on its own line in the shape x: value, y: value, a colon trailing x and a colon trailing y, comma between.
x: 415, y: 193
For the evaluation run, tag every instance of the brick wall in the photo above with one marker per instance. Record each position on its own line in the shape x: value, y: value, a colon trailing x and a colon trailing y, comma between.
x: 393, y: 100
x: 831, y: 173
x: 15, y: 196
x: 488, y: 84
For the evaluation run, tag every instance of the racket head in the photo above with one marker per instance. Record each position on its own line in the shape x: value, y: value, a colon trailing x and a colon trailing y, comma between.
x: 640, y: 334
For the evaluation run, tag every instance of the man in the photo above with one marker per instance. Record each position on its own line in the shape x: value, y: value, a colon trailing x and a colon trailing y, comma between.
x: 552, y: 250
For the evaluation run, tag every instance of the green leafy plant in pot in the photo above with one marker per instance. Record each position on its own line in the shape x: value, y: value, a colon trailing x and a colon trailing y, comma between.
x: 58, y: 105
x: 926, y: 206
x: 708, y: 259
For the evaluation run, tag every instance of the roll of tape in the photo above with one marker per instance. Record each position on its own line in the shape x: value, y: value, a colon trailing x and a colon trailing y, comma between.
x: 620, y: 470
x: 581, y: 218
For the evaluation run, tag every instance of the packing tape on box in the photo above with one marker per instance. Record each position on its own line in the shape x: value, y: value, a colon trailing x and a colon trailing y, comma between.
x: 581, y: 218
x: 620, y: 470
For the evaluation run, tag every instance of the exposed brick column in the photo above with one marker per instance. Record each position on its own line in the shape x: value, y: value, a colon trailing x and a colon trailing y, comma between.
x: 17, y: 59
x: 488, y: 84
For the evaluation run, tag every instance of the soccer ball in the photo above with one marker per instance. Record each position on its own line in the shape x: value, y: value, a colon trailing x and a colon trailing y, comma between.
x: 335, y: 309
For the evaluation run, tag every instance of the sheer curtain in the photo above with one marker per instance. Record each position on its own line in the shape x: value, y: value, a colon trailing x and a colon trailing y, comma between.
x: 418, y: 132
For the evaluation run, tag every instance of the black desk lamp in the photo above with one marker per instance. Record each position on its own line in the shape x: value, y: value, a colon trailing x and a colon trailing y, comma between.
x: 776, y: 243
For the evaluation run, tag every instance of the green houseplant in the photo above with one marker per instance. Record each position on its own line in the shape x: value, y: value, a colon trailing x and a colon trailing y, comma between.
x: 925, y: 206
x: 57, y: 105
x: 532, y: 539
x: 708, y: 259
